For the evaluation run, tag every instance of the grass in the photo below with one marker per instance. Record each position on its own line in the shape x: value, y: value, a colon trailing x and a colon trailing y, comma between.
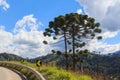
x: 55, y: 73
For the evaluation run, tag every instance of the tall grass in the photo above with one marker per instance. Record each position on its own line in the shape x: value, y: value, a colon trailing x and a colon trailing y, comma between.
x: 54, y: 73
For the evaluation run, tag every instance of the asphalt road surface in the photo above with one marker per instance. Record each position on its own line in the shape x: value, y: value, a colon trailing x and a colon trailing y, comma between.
x: 7, y: 74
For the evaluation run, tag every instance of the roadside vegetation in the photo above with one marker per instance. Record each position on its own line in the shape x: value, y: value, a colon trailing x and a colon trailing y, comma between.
x: 53, y: 72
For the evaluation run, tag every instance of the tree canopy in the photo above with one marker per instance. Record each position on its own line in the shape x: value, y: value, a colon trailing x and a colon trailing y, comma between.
x: 75, y: 30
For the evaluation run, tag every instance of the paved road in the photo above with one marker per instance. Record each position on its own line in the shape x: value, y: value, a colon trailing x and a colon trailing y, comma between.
x: 6, y: 74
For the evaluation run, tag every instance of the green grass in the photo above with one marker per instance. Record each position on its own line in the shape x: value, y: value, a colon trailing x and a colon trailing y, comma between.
x: 54, y: 73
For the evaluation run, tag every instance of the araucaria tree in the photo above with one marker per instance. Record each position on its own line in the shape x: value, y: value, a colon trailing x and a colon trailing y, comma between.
x: 59, y: 27
x: 82, y: 28
x: 76, y: 30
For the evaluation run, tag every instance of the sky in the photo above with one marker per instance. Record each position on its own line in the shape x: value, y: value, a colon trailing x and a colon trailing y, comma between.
x: 22, y: 23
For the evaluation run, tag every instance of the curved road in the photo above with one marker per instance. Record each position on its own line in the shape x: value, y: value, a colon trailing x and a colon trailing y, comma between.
x: 7, y: 74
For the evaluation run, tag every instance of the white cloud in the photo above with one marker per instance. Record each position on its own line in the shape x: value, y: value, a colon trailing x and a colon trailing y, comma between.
x: 5, y: 39
x: 103, y: 47
x: 104, y: 11
x: 79, y: 11
x: 109, y: 34
x: 27, y: 23
x: 4, y: 4
x: 30, y: 43
x: 27, y: 41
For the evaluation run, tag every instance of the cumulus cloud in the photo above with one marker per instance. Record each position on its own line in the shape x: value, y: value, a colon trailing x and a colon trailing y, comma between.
x: 108, y: 34
x: 4, y: 4
x: 5, y: 39
x: 104, y: 11
x: 27, y: 23
x: 26, y: 40
x: 112, y: 17
x: 104, y: 48
x: 30, y: 43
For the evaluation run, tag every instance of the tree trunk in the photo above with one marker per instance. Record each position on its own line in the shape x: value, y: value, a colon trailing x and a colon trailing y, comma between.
x: 81, y: 67
x: 73, y: 47
x: 66, y: 54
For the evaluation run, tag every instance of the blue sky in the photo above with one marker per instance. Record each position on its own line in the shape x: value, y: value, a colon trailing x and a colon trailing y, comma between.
x: 113, y: 40
x: 22, y: 23
x: 43, y: 10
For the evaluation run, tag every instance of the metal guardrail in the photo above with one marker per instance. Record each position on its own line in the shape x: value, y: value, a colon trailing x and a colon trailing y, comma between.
x: 36, y: 73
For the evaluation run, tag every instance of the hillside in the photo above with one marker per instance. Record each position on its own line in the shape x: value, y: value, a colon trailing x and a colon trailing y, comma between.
x: 117, y: 53
x: 49, y: 57
x: 103, y: 64
x: 6, y: 56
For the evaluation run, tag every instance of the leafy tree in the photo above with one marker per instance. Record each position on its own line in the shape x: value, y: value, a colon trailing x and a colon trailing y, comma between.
x: 58, y: 27
x: 75, y: 29
x: 82, y: 28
